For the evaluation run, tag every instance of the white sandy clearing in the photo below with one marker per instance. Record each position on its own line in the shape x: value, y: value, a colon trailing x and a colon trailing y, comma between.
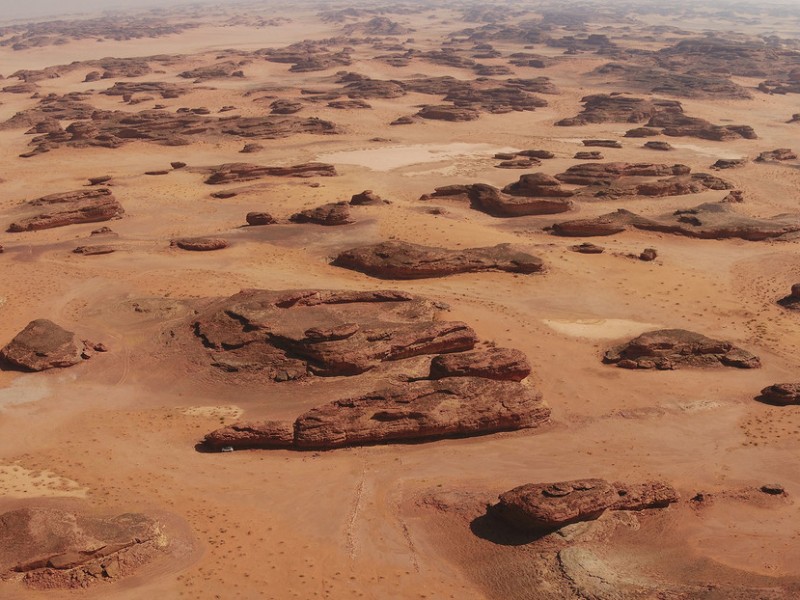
x: 19, y: 482
x: 395, y: 157
x: 221, y: 412
x: 599, y: 328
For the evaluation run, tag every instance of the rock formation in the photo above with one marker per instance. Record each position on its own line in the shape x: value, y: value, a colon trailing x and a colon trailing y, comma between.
x: 619, y: 108
x: 70, y: 208
x: 792, y: 301
x: 403, y: 260
x: 334, y: 213
x: 504, y: 364
x: 200, y: 244
x: 418, y: 411
x: 236, y: 172
x: 492, y: 201
x: 42, y: 345
x: 676, y: 348
x: 782, y: 394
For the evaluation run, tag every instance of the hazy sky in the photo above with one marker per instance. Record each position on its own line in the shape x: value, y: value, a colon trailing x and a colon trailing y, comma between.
x: 13, y: 9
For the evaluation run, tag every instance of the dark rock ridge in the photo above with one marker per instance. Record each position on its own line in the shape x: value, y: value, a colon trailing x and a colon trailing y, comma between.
x: 332, y: 214
x: 403, y: 260
x: 546, y: 507
x: 492, y: 201
x: 70, y: 208
x: 236, y: 172
x: 291, y: 334
x: 676, y: 348
x: 706, y: 221
x: 42, y: 345
x: 53, y: 548
x: 418, y: 411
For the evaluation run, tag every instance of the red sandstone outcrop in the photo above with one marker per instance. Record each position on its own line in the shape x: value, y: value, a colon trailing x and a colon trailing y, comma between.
x: 53, y: 548
x: 403, y: 260
x: 494, y: 202
x: 417, y: 411
x: 69, y: 208
x: 504, y: 364
x: 619, y: 108
x: 332, y: 214
x: 42, y: 345
x: 200, y: 244
x: 447, y: 112
x: 236, y: 172
x: 544, y: 507
x: 288, y: 335
x: 676, y: 348
x: 607, y: 173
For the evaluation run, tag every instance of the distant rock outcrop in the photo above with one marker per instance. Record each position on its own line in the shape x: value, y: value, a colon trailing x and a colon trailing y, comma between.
x: 200, y: 244
x: 334, y: 213
x: 496, y: 203
x: 236, y: 172
x: 70, y: 208
x: 676, y: 348
x: 403, y: 260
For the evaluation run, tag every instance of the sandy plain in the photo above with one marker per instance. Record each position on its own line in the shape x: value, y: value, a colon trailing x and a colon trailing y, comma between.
x: 119, y: 431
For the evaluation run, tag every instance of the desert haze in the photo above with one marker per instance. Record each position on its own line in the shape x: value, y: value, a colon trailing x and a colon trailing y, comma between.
x: 400, y: 300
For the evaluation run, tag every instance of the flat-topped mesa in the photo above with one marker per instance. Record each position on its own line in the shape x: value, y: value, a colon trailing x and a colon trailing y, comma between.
x: 42, y: 345
x: 705, y: 221
x: 235, y: 172
x: 675, y: 348
x: 545, y: 507
x: 423, y: 410
x: 70, y: 208
x: 286, y: 335
x: 490, y: 200
x: 404, y: 260
x: 619, y: 108
x: 607, y: 173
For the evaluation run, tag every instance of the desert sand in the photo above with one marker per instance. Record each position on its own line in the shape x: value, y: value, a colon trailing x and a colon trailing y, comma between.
x: 121, y: 431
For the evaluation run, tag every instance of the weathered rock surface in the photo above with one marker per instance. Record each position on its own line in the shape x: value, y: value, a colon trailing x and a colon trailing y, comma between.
x: 417, y: 411
x: 447, y: 112
x: 706, y: 221
x: 332, y: 214
x: 69, y: 208
x: 53, y: 548
x: 658, y: 145
x: 779, y: 154
x: 42, y: 345
x: 587, y: 248
x: 607, y: 173
x: 728, y: 163
x: 538, y: 185
x: 603, y: 143
x: 366, y: 198
x: 200, y: 244
x: 404, y: 260
x: 94, y: 250
x: 676, y: 348
x: 290, y: 334
x: 679, y: 125
x: 235, y: 172
x: 505, y: 364
x: 590, y: 155
x: 545, y: 507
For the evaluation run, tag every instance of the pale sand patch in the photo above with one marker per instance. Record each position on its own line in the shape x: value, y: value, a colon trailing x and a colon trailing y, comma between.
x: 19, y: 482
x: 220, y: 412
x: 715, y: 151
x: 598, y: 328
x: 395, y: 157
x: 22, y: 391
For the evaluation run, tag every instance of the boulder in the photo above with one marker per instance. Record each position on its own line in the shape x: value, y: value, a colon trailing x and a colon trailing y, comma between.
x: 366, y: 198
x: 657, y: 145
x: 260, y: 218
x: 335, y: 213
x: 792, y: 301
x: 648, y: 254
x: 42, y: 345
x: 591, y: 155
x: 504, y: 364
x: 603, y: 143
x: 782, y: 394
x: 93, y: 250
x: 676, y: 348
x: 587, y: 248
x: 404, y: 260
